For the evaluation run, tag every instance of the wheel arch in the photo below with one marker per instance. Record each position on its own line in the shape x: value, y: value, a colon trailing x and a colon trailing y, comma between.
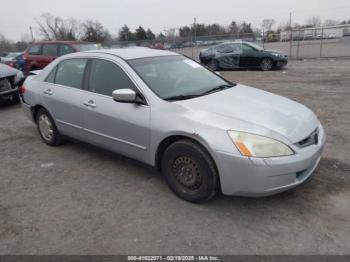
x: 35, y: 109
x: 172, y: 138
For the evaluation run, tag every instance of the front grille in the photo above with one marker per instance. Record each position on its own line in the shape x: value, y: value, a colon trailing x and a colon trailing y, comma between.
x: 312, y: 139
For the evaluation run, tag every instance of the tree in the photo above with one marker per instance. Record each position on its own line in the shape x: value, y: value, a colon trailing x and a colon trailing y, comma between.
x: 95, y: 32
x: 56, y: 28
x: 246, y: 29
x: 150, y: 35
x: 234, y: 28
x: 185, y: 31
x: 140, y: 34
x: 161, y: 36
x: 330, y: 22
x: 314, y: 21
x: 267, y: 24
x: 125, y: 34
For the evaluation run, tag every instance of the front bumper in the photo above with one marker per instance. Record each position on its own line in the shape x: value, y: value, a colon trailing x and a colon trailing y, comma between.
x: 258, y: 177
x: 281, y: 63
x: 9, y: 92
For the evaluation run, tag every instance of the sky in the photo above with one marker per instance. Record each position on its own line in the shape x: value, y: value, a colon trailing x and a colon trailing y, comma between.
x: 16, y: 16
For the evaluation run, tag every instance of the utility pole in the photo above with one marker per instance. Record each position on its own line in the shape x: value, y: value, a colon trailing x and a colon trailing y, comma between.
x: 291, y: 35
x: 195, y: 29
x: 31, y: 33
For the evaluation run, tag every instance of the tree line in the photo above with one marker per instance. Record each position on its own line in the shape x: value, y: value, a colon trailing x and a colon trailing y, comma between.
x: 50, y: 27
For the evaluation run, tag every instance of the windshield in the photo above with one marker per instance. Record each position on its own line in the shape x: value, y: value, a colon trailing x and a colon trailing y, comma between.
x: 86, y: 47
x: 255, y: 46
x: 172, y: 76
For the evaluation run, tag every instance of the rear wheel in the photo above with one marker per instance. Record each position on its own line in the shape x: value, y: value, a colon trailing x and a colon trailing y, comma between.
x: 190, y: 172
x: 266, y: 64
x: 47, y: 128
x: 213, y: 65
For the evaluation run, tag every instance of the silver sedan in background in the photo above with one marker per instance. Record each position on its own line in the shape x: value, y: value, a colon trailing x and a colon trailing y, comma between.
x: 203, y: 132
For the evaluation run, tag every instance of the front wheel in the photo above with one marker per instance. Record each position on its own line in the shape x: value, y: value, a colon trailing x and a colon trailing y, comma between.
x: 266, y: 64
x: 213, y: 65
x: 190, y: 172
x: 47, y: 128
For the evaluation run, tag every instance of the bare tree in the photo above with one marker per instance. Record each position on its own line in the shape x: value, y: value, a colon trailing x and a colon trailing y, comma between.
x: 331, y: 22
x: 56, y: 28
x: 314, y: 21
x: 93, y: 31
x: 267, y: 24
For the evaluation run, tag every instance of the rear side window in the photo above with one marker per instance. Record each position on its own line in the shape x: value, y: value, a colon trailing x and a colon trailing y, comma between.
x: 71, y: 72
x: 105, y: 77
x: 49, y: 50
x: 34, y: 49
x: 51, y: 77
x: 66, y: 49
x: 225, y: 49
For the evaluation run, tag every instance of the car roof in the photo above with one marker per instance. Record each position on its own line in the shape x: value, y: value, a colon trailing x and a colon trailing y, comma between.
x: 134, y: 53
x: 63, y: 42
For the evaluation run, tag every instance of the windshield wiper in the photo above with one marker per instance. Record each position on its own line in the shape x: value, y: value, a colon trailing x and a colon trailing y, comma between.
x: 216, y: 89
x: 213, y: 90
x: 181, y: 97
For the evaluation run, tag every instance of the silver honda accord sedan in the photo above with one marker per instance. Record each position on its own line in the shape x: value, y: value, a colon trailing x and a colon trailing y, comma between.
x: 203, y: 132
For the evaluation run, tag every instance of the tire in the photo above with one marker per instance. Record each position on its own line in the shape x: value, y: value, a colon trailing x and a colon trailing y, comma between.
x: 47, y: 128
x: 213, y: 65
x: 266, y: 64
x: 15, y: 98
x: 190, y: 172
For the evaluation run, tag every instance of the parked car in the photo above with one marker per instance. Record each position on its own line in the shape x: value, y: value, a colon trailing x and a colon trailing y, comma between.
x: 10, y: 80
x: 18, y: 62
x: 242, y: 54
x: 40, y: 54
x: 332, y: 36
x: 203, y: 132
x: 9, y: 57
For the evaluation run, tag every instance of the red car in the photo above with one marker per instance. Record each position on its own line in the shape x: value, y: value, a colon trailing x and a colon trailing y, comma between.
x: 40, y: 54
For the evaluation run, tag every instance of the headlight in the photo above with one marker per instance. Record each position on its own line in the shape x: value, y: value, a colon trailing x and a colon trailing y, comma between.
x: 259, y: 146
x: 277, y: 54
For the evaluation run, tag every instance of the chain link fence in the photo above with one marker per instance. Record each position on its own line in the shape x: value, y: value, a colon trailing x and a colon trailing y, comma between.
x: 303, y: 43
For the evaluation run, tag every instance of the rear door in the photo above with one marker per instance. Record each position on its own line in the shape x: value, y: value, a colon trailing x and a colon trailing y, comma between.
x: 49, y: 53
x: 120, y: 127
x: 63, y: 96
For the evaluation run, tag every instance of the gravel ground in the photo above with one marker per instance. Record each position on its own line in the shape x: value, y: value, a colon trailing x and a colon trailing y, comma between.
x: 76, y: 199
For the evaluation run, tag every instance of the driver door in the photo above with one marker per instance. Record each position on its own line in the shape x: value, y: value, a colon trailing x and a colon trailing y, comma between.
x: 119, y: 127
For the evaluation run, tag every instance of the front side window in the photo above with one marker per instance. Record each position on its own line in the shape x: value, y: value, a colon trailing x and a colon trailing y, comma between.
x: 225, y: 49
x: 34, y: 49
x: 49, y: 50
x: 105, y: 77
x: 71, y: 72
x: 170, y: 76
x: 246, y: 47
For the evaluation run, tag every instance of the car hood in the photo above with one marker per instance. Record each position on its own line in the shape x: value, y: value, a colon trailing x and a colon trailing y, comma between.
x: 257, y: 108
x: 6, y: 71
x: 273, y: 51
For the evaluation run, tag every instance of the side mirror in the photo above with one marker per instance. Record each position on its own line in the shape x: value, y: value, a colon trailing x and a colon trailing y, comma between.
x: 124, y: 95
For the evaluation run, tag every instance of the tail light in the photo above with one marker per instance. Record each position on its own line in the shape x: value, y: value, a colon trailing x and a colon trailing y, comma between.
x: 22, y: 90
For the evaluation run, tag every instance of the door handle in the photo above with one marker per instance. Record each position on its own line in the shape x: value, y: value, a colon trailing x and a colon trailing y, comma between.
x: 48, y: 92
x: 90, y: 103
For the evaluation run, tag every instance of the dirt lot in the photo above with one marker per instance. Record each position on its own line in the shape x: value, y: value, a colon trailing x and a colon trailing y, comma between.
x: 76, y: 199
